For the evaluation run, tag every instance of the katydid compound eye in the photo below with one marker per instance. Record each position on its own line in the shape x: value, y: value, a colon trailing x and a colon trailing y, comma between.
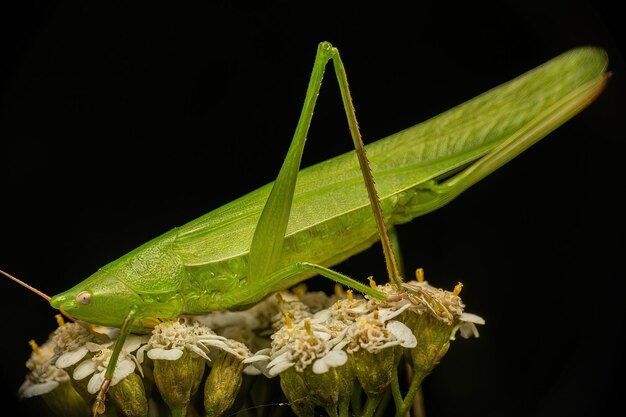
x: 83, y: 297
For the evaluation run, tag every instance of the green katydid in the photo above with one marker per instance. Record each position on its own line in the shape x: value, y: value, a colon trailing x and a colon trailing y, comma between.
x: 309, y: 220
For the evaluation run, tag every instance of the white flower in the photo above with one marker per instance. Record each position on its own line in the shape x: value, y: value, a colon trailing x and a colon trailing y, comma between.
x: 300, y: 345
x: 67, y: 342
x: 44, y: 376
x: 96, y: 365
x: 289, y: 305
x: 74, y: 356
x: 169, y: 340
x: 376, y: 332
x: 242, y: 326
x: 348, y: 310
x: 445, y: 305
x: 225, y: 319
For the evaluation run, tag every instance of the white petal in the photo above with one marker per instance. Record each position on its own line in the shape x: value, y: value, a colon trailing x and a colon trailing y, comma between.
x: 198, y: 351
x: 251, y: 370
x: 95, y: 382
x: 28, y: 389
x: 220, y: 319
x: 385, y: 314
x: 279, y: 367
x: 323, y: 336
x: 321, y: 316
x: 210, y: 337
x: 333, y: 359
x: 96, y: 347
x: 133, y: 342
x: 373, y: 348
x: 402, y: 333
x: 84, y: 369
x: 338, y: 340
x: 341, y: 344
x: 212, y: 343
x: 165, y: 354
x: 260, y: 367
x: 282, y: 357
x: 336, y: 358
x: 265, y: 351
x: 279, y: 352
x: 256, y: 358
x: 110, y: 332
x: 472, y: 318
x: 70, y: 358
x: 468, y: 329
x: 223, y: 346
x: 140, y: 353
x: 320, y: 366
x: 122, y: 370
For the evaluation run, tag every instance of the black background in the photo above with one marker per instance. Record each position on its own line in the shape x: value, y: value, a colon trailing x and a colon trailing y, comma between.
x: 120, y: 121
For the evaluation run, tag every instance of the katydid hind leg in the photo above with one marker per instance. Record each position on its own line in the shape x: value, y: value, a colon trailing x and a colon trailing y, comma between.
x: 266, y: 246
x: 393, y: 270
x: 269, y: 235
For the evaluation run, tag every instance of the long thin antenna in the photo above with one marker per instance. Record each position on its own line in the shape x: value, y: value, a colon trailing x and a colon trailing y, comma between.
x: 25, y: 285
x: 35, y: 290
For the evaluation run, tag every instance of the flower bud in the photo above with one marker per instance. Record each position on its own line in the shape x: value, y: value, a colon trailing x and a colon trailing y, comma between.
x: 434, y: 317
x: 222, y: 384
x: 328, y: 384
x: 433, y: 341
x: 50, y: 383
x: 65, y: 401
x: 129, y: 397
x: 375, y: 370
x: 179, y: 379
x: 334, y: 387
x: 295, y: 389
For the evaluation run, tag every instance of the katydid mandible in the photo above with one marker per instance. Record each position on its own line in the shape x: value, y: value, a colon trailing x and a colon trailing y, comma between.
x: 308, y: 221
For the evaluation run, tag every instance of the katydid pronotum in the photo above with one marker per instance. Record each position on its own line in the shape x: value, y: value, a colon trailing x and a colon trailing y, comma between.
x: 308, y: 221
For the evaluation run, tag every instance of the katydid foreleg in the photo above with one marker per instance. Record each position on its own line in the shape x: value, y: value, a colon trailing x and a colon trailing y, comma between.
x: 99, y: 403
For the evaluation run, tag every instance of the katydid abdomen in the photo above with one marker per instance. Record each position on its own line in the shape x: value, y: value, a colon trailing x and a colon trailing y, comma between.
x: 203, y: 265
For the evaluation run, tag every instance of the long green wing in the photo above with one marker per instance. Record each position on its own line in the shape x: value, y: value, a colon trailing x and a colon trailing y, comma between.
x: 330, y: 200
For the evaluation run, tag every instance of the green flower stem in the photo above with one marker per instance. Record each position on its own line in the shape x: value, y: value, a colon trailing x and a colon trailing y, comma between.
x: 418, y: 405
x: 395, y: 390
x: 416, y: 382
x: 381, y: 411
x: 191, y: 411
x: 355, y: 401
x: 344, y: 408
x: 178, y: 411
x: 371, y: 405
x: 332, y: 411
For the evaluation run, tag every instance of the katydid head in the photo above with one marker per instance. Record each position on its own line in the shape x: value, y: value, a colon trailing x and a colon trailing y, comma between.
x: 100, y: 299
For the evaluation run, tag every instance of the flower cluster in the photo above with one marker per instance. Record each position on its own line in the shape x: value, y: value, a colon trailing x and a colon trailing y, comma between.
x: 321, y: 347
